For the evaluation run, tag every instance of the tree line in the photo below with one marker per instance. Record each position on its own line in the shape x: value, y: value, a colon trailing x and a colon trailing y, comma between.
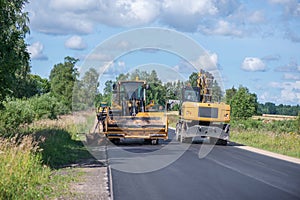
x: 158, y: 91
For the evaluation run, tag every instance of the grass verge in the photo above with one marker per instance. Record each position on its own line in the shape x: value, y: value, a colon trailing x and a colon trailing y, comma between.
x: 32, y: 165
x: 276, y: 136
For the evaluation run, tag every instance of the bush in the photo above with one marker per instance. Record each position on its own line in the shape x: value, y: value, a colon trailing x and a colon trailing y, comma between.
x: 17, y: 112
x: 47, y: 106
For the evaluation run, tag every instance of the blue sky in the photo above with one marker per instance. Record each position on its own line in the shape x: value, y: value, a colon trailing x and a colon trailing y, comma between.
x: 252, y: 43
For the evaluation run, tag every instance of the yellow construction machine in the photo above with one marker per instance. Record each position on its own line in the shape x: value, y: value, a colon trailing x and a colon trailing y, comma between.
x: 200, y: 117
x: 130, y: 118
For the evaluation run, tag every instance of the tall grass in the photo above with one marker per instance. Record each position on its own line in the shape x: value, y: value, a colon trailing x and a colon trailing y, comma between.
x: 282, y: 143
x: 22, y: 175
x: 277, y: 136
x: 30, y: 163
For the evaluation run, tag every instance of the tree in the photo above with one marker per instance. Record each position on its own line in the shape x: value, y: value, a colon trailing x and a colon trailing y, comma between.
x: 193, y: 79
x: 216, y: 92
x: 33, y: 85
x: 270, y: 107
x: 14, y: 58
x: 243, y: 104
x: 85, y: 90
x: 62, y: 80
x: 230, y: 94
x: 107, y: 95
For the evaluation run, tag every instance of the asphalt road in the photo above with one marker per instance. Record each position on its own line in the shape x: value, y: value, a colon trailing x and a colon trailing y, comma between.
x: 159, y: 172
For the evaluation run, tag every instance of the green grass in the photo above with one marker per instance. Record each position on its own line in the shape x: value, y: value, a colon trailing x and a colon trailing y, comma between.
x: 32, y: 163
x: 59, y: 149
x: 22, y: 175
x: 276, y: 136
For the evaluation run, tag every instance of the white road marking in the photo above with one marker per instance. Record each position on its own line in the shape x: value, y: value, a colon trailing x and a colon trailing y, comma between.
x: 270, y: 154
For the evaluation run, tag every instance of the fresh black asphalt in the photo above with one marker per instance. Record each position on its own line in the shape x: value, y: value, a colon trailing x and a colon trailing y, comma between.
x: 226, y: 172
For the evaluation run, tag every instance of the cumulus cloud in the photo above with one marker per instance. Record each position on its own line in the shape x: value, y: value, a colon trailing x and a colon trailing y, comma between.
x: 207, y: 61
x: 226, y: 17
x: 36, y: 51
x: 81, y: 16
x: 253, y: 64
x: 221, y: 27
x: 186, y: 15
x: 127, y: 13
x: 289, y: 91
x: 76, y: 43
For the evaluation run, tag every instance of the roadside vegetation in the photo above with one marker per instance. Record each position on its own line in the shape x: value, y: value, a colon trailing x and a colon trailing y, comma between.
x: 33, y: 162
x: 277, y: 136
x: 282, y: 143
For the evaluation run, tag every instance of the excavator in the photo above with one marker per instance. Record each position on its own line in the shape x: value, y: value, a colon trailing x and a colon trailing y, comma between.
x: 130, y: 118
x: 201, y: 118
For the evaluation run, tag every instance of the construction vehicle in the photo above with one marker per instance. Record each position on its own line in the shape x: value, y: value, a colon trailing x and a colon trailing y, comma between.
x: 130, y: 118
x: 201, y: 118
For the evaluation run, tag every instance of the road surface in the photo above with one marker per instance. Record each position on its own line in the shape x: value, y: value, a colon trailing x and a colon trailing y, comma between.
x: 226, y: 172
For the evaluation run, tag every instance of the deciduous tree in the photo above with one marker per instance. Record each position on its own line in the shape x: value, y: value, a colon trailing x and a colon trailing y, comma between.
x: 62, y: 79
x: 243, y: 104
x: 14, y: 58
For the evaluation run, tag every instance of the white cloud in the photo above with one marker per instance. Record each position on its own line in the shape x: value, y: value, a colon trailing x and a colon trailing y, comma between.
x: 72, y: 5
x: 253, y: 64
x: 226, y: 17
x: 80, y: 16
x: 60, y: 17
x: 190, y: 7
x: 76, y: 43
x: 36, y: 51
x: 257, y: 17
x: 222, y: 27
x: 289, y: 91
x: 127, y: 13
x: 207, y: 61
x: 193, y: 15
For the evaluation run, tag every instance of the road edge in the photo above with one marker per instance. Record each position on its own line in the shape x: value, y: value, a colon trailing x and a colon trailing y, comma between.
x: 109, y: 176
x: 270, y: 154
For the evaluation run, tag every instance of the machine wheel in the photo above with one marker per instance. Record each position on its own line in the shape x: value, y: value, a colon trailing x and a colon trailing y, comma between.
x: 222, y: 142
x: 218, y: 141
x: 147, y: 141
x: 115, y: 141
